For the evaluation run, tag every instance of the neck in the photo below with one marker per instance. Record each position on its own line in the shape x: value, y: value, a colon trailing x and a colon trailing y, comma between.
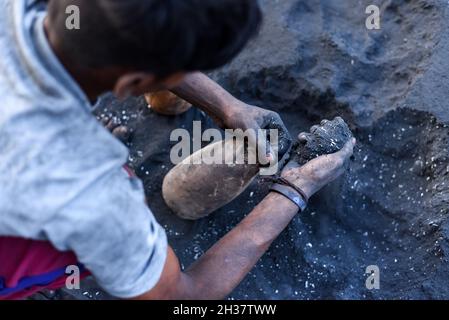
x: 92, y: 82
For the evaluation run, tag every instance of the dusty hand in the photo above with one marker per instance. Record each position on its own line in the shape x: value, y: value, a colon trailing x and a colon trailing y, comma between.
x: 320, y: 171
x: 244, y: 116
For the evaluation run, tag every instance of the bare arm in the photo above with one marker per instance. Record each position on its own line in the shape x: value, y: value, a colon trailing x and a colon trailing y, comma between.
x: 223, y: 266
x: 229, y: 112
x: 206, y: 94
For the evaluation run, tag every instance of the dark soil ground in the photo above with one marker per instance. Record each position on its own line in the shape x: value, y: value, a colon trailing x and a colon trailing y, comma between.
x: 390, y: 210
x: 314, y: 60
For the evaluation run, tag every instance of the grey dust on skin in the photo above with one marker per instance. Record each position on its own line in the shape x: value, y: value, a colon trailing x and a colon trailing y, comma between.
x: 326, y: 138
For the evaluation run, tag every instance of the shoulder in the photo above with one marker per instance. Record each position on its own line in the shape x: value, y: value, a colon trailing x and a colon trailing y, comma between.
x: 47, y: 158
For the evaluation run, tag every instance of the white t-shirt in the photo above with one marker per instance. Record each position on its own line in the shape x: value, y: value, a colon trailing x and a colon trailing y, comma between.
x: 61, y: 175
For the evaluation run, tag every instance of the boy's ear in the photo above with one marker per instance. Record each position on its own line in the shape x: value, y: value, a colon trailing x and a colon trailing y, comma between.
x: 139, y: 83
x: 134, y: 84
x: 173, y: 80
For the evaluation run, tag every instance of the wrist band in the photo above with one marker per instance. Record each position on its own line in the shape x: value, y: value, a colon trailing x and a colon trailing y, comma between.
x: 291, y: 194
x: 285, y: 182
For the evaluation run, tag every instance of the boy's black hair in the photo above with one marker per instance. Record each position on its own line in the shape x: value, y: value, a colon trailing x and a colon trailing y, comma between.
x: 158, y: 36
